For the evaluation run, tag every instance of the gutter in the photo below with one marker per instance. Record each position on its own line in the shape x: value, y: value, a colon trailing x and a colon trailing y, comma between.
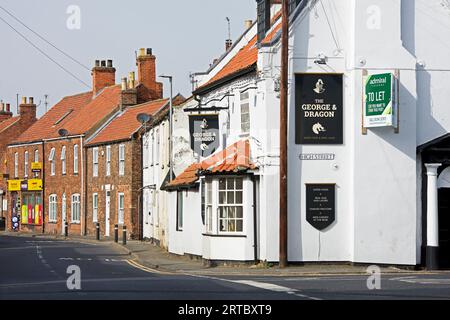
x: 225, y: 80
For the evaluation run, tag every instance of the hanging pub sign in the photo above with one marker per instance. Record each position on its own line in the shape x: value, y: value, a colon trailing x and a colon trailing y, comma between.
x: 380, y: 107
x: 320, y: 205
x: 319, y: 109
x: 204, y: 132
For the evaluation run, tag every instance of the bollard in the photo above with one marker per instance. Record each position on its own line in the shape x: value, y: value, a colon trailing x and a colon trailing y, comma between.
x: 97, y: 230
x: 116, y: 233
x: 124, y: 235
x: 66, y: 229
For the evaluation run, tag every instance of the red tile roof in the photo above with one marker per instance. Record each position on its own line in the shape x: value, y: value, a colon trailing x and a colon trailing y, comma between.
x: 7, y: 123
x: 234, y: 159
x: 47, y: 126
x: 123, y: 126
x: 244, y: 59
x: 77, y: 114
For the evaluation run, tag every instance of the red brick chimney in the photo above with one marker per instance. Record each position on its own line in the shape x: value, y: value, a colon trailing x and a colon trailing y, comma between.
x: 148, y: 87
x: 5, y: 111
x: 103, y: 75
x: 27, y: 110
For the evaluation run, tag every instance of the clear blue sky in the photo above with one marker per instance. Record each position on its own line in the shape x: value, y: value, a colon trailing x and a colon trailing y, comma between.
x: 185, y: 36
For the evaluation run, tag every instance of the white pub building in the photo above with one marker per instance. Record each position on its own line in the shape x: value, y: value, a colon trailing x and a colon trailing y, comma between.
x: 368, y: 139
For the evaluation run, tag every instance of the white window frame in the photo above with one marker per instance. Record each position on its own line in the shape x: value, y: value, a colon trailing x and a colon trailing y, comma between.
x: 95, y: 207
x: 51, y: 158
x: 36, y: 155
x: 108, y: 161
x: 157, y: 146
x: 53, y: 208
x: 122, y: 160
x: 180, y: 207
x: 245, y: 103
x: 26, y: 160
x: 63, y: 160
x: 209, y: 218
x: 121, y: 208
x: 95, y: 162
x: 75, y: 208
x: 152, y: 149
x: 228, y: 204
x: 75, y: 159
x: 16, y: 165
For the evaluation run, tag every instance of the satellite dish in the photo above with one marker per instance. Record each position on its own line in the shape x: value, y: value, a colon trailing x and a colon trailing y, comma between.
x: 63, y: 132
x: 143, y: 118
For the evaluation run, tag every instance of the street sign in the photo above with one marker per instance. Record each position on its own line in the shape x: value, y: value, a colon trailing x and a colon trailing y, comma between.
x: 320, y: 205
x: 319, y: 109
x: 380, y: 107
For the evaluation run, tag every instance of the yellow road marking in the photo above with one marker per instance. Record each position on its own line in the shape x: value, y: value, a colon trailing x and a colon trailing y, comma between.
x: 143, y: 268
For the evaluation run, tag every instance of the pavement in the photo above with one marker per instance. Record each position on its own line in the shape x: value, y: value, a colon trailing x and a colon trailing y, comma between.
x: 159, y: 260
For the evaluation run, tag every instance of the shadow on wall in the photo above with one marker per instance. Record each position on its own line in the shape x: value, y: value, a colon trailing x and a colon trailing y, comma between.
x: 295, y: 219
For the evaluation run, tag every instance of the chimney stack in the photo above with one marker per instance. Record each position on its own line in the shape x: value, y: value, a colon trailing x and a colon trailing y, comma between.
x: 149, y: 88
x: 228, y: 44
x: 5, y: 112
x: 103, y: 75
x: 27, y: 109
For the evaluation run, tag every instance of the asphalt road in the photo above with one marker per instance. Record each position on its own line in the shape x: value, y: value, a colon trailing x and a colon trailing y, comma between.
x: 37, y: 269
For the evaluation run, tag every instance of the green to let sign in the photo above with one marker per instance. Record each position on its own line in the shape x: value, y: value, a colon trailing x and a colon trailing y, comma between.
x: 378, y: 100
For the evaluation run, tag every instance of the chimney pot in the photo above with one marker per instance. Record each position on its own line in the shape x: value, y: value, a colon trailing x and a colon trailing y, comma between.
x: 24, y: 100
x: 31, y: 100
x: 103, y: 63
x: 97, y: 63
x: 141, y: 52
x: 149, y: 51
x: 2, y: 106
x: 124, y: 84
x: 110, y: 63
x: 8, y: 107
x: 248, y: 24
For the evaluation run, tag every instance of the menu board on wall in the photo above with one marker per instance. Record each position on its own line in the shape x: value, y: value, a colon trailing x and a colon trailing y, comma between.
x: 320, y: 205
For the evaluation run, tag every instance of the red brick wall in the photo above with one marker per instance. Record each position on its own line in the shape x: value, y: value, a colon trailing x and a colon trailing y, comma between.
x: 129, y: 184
x: 59, y: 184
x: 103, y: 77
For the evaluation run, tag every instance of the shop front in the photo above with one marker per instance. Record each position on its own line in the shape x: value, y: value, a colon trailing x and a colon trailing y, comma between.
x: 27, y: 211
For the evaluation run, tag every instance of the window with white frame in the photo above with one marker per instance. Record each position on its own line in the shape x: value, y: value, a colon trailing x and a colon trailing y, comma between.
x: 121, y: 207
x: 16, y: 165
x: 51, y: 158
x: 152, y: 149
x: 231, y: 211
x: 122, y: 160
x: 52, y: 208
x: 108, y: 161
x: 76, y: 208
x: 180, y: 211
x: 245, y: 112
x: 95, y: 207
x: 36, y: 155
x: 207, y: 204
x: 146, y: 153
x: 25, y: 163
x: 63, y: 160
x: 157, y: 145
x: 75, y: 159
x: 95, y: 162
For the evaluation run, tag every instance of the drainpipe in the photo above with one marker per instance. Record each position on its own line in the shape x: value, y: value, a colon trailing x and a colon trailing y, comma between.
x: 141, y: 188
x: 43, y: 188
x: 255, y: 221
x: 83, y: 189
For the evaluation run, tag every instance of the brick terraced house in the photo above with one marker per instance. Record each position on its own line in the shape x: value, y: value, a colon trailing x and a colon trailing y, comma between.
x: 10, y: 128
x: 56, y: 142
x: 113, y: 179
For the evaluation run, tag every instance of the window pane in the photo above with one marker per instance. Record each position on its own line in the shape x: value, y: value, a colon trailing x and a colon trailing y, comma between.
x: 231, y: 212
x: 222, y: 212
x: 239, y: 182
x: 238, y: 197
x: 239, y: 212
x: 239, y: 226
x: 222, y: 197
x: 222, y: 184
x: 231, y: 225
x: 223, y: 225
x: 230, y: 184
x: 230, y: 197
